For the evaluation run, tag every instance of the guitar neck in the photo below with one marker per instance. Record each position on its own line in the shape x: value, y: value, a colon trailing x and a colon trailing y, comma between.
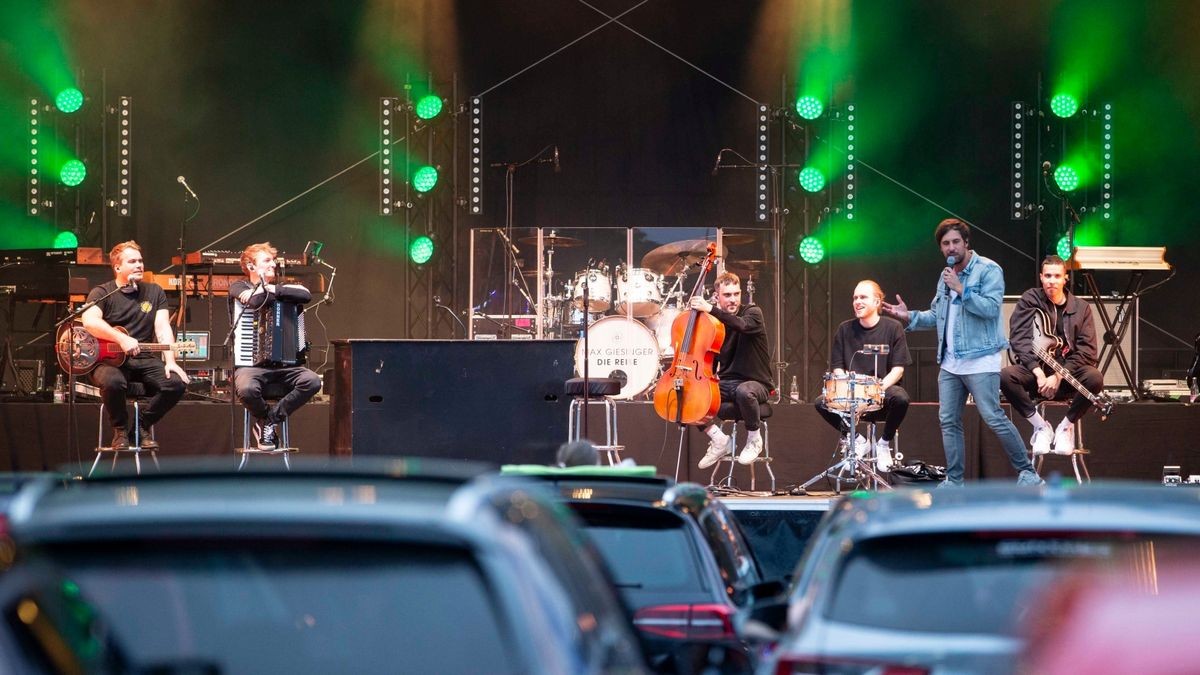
x: 1065, y: 374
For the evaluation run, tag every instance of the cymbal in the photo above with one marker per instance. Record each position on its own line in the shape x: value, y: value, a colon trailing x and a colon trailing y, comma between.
x: 735, y: 238
x: 553, y: 241
x: 674, y: 257
x: 748, y: 265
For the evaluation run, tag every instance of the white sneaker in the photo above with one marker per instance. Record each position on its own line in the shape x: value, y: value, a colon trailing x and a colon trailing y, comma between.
x: 883, y: 456
x: 754, y: 448
x: 716, y: 450
x: 1040, y: 440
x: 1064, y: 440
x: 861, y: 446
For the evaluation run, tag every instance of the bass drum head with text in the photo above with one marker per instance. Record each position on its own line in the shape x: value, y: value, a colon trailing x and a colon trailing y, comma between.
x: 621, y: 349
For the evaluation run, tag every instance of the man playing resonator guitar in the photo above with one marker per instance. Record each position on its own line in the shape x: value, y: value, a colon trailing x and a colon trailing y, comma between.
x: 1053, y: 347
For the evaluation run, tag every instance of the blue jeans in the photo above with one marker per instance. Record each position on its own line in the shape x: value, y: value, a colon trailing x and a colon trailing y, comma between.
x: 952, y: 397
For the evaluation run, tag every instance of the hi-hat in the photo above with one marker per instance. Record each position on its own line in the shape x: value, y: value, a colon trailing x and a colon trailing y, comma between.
x: 748, y: 265
x: 674, y: 257
x: 553, y: 241
x: 735, y: 238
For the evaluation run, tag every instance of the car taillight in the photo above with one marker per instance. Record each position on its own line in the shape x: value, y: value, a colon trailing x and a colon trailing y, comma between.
x: 686, y: 622
x: 823, y: 665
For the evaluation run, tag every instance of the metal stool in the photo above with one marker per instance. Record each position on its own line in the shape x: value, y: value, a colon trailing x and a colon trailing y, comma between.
x: 728, y: 412
x: 599, y: 390
x: 1078, y: 464
x: 272, y: 392
x: 134, y: 392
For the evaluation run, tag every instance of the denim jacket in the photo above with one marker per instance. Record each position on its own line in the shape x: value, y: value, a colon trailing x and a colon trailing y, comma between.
x: 977, y: 331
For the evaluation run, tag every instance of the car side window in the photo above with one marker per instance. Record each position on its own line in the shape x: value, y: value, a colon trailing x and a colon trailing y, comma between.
x: 731, y: 557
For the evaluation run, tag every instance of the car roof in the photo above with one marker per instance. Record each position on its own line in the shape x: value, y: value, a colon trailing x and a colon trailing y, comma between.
x: 1097, y: 507
x: 411, y: 498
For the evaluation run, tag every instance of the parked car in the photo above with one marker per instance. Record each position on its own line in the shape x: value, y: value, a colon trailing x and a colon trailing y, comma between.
x: 920, y: 581
x: 410, y: 566
x: 680, y: 559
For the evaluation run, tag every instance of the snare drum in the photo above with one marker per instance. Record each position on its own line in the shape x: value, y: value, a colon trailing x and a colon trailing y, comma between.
x: 640, y: 288
x: 621, y: 349
x: 862, y: 390
x: 599, y: 288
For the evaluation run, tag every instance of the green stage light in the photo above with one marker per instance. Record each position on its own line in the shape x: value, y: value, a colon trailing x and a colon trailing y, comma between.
x: 72, y: 173
x: 425, y: 178
x: 1063, y: 249
x: 66, y: 239
x: 429, y: 106
x: 1066, y: 178
x: 811, y: 179
x: 809, y: 107
x: 69, y: 100
x: 420, y: 250
x: 811, y: 250
x: 1064, y: 105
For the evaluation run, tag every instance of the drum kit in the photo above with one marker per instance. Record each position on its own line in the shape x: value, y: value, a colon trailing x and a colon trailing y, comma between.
x: 851, y: 396
x: 652, y: 294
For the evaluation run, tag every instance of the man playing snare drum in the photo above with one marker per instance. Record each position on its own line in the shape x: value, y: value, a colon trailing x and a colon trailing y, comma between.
x: 849, y: 342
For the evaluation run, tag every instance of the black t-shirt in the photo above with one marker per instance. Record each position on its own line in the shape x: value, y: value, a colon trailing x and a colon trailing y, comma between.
x: 132, y: 311
x: 745, y: 354
x: 850, y: 338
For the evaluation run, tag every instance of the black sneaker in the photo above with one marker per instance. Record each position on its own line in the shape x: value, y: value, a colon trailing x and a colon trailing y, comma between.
x: 147, y: 439
x: 266, y: 433
x: 120, y: 440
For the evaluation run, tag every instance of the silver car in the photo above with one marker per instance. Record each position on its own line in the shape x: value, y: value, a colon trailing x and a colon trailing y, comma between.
x: 920, y: 581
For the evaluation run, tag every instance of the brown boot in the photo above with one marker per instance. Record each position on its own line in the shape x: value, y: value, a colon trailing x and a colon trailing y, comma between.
x: 120, y: 439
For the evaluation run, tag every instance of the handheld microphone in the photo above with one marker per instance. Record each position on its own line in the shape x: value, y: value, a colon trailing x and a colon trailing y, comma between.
x: 183, y: 182
x: 557, y: 167
x: 950, y: 260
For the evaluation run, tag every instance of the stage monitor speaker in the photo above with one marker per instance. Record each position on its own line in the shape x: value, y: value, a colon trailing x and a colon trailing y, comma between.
x: 1113, y: 379
x: 31, y: 375
x: 496, y: 401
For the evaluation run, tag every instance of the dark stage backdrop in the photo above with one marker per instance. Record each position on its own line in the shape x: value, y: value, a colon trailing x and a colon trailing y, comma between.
x: 257, y: 102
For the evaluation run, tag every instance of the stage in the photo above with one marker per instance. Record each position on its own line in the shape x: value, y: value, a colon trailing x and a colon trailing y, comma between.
x: 1134, y: 443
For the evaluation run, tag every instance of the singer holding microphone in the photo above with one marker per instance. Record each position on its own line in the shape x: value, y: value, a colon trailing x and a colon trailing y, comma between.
x: 254, y: 294
x: 966, y: 312
x: 141, y: 309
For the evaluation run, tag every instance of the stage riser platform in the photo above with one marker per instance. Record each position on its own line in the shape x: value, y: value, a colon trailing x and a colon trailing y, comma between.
x: 1134, y: 443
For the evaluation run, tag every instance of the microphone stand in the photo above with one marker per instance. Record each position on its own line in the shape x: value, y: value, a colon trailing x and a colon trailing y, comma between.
x: 437, y: 302
x: 70, y: 346
x: 328, y: 297
x: 181, y: 320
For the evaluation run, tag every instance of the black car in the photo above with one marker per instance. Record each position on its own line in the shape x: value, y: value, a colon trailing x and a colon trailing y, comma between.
x: 411, y: 566
x: 680, y: 559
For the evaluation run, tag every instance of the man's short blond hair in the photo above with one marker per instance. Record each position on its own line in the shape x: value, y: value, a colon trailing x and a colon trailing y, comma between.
x: 115, y: 253
x: 725, y: 279
x: 252, y: 251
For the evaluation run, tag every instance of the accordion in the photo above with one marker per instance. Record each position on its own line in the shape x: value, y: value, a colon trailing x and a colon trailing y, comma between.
x: 271, y: 336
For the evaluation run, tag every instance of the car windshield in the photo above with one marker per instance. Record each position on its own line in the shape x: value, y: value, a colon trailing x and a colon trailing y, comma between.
x: 649, y: 552
x: 974, y: 583
x: 297, y: 608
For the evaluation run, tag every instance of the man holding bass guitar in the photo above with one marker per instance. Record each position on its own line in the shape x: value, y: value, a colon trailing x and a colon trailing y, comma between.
x: 140, y: 308
x: 744, y: 367
x: 1053, y: 321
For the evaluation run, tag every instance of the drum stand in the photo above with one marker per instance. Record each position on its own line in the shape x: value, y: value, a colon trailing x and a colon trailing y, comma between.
x: 855, y: 471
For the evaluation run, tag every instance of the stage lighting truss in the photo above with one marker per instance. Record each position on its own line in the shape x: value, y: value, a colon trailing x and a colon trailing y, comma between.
x: 391, y: 128
x: 1020, y: 205
x: 124, y: 201
x: 33, y: 181
x: 761, y: 195
x: 476, y: 145
x: 848, y: 194
x: 1106, y: 198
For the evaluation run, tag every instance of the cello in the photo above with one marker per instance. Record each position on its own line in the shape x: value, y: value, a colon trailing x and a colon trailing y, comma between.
x: 687, y: 393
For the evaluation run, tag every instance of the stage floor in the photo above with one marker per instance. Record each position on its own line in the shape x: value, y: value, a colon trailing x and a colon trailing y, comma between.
x: 1134, y: 443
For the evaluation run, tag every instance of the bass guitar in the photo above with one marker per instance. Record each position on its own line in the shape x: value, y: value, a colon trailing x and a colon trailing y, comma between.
x: 1046, y: 344
x: 79, y: 352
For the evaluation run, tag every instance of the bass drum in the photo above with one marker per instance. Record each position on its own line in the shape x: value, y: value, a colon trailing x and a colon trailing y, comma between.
x: 621, y: 349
